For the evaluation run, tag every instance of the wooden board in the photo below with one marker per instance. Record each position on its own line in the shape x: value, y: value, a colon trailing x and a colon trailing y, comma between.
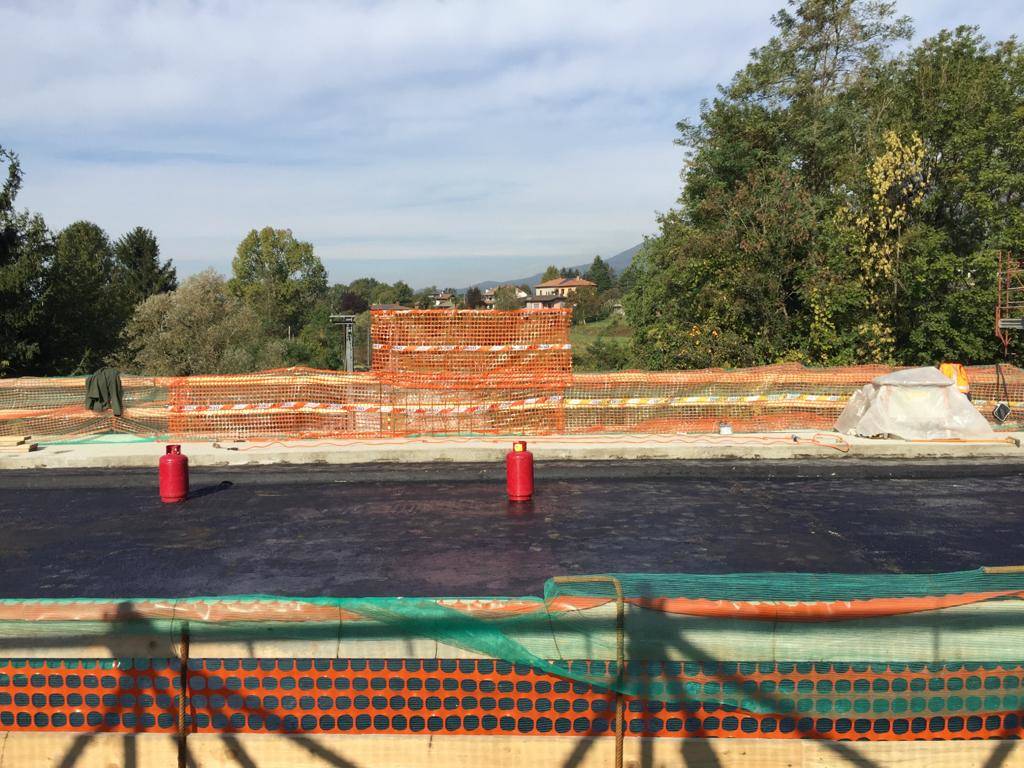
x: 22, y: 448
x: 106, y: 750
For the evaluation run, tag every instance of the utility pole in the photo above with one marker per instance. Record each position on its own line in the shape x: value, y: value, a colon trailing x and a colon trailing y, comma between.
x: 349, y: 322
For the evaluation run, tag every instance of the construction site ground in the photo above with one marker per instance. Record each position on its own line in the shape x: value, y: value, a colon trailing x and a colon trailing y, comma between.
x: 447, y: 529
x: 126, y: 451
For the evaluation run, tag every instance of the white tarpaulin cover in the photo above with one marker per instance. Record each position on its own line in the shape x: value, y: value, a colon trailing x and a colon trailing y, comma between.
x: 915, y: 404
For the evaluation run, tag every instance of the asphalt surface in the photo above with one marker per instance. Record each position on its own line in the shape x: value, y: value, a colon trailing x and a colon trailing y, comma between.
x: 446, y: 529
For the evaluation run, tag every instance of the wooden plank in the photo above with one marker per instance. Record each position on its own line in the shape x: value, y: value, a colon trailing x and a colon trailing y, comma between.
x: 209, y: 750
x: 23, y: 448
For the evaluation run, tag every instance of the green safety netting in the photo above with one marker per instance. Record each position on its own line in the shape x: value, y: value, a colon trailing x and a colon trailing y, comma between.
x: 763, y: 643
x: 802, y: 587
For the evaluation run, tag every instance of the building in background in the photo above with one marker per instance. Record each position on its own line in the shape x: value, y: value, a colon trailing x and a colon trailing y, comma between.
x: 562, y: 286
x: 547, y: 302
x: 443, y: 300
x: 488, y: 295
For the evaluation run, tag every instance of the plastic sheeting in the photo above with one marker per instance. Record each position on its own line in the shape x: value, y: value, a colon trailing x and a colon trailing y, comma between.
x: 721, y: 619
x: 913, y: 404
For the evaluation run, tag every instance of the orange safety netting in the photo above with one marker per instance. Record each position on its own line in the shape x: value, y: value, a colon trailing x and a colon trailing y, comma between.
x: 472, y: 349
x: 442, y: 372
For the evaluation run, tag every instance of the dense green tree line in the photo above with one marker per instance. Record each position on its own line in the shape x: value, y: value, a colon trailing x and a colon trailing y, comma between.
x: 74, y: 300
x: 845, y: 198
x: 273, y: 311
x: 65, y: 297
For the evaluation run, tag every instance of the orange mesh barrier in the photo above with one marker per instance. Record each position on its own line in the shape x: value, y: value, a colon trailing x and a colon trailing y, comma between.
x: 307, y: 403
x: 987, y: 389
x: 463, y: 372
x: 760, y: 399
x: 472, y: 349
x: 56, y: 406
x: 291, y: 402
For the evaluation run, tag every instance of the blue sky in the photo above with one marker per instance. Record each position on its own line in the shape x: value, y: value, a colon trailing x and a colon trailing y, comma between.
x: 437, y: 142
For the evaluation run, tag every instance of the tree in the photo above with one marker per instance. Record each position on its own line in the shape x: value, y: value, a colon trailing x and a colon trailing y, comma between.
x: 505, y: 298
x: 351, y: 303
x: 365, y: 288
x: 474, y: 298
x: 567, y: 272
x: 403, y: 293
x: 586, y: 305
x: 422, y: 299
x: 600, y: 274
x: 962, y: 95
x: 841, y: 203
x: 202, y: 327
x: 26, y: 246
x: 602, y: 355
x: 399, y: 293
x: 138, y: 270
x: 280, y: 277
x: 551, y: 273
x: 320, y: 344
x: 84, y: 314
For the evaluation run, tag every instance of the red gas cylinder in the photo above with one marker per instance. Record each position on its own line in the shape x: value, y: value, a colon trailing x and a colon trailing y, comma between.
x: 173, y: 475
x: 519, y: 472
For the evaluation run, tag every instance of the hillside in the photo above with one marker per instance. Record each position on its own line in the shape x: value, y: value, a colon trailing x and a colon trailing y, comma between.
x: 619, y: 262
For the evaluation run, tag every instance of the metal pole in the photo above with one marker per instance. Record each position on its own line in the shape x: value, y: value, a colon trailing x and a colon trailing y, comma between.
x: 348, y: 347
x: 183, y: 697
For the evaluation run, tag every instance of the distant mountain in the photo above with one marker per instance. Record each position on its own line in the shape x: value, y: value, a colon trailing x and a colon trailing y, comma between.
x: 619, y: 262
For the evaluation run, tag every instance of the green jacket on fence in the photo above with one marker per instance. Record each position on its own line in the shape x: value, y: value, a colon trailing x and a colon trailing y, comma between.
x: 103, y: 390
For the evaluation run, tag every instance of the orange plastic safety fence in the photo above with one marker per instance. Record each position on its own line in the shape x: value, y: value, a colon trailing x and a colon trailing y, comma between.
x: 472, y: 349
x: 464, y: 372
x: 56, y: 406
x: 292, y: 402
x: 761, y: 399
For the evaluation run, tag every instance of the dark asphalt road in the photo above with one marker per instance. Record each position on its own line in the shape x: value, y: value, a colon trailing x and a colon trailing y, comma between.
x: 447, y: 530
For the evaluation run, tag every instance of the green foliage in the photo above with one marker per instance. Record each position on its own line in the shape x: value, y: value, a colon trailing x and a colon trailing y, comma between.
x: 83, y: 309
x: 587, y: 305
x: 474, y: 298
x: 505, y: 298
x: 12, y: 184
x: 399, y: 293
x: 64, y: 300
x: 364, y: 287
x: 138, y: 271
x: 551, y: 273
x: 600, y: 274
x: 351, y: 303
x: 319, y: 344
x: 422, y: 299
x: 602, y: 345
x: 202, y: 327
x: 26, y: 247
x: 603, y: 355
x: 279, y: 277
x: 842, y: 203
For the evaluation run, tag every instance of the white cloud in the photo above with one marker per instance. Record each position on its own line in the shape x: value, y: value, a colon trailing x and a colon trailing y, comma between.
x: 450, y: 137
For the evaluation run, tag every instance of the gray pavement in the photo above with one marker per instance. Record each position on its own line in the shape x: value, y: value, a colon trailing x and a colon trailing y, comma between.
x: 126, y: 451
x: 446, y: 529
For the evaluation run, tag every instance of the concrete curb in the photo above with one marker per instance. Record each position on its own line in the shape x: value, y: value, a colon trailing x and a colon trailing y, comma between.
x: 801, y: 445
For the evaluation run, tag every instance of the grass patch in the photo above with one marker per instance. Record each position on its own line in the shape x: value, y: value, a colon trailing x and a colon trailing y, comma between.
x: 602, y: 345
x: 612, y: 329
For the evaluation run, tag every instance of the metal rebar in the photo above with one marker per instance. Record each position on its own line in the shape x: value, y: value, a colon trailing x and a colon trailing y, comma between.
x: 182, y: 695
